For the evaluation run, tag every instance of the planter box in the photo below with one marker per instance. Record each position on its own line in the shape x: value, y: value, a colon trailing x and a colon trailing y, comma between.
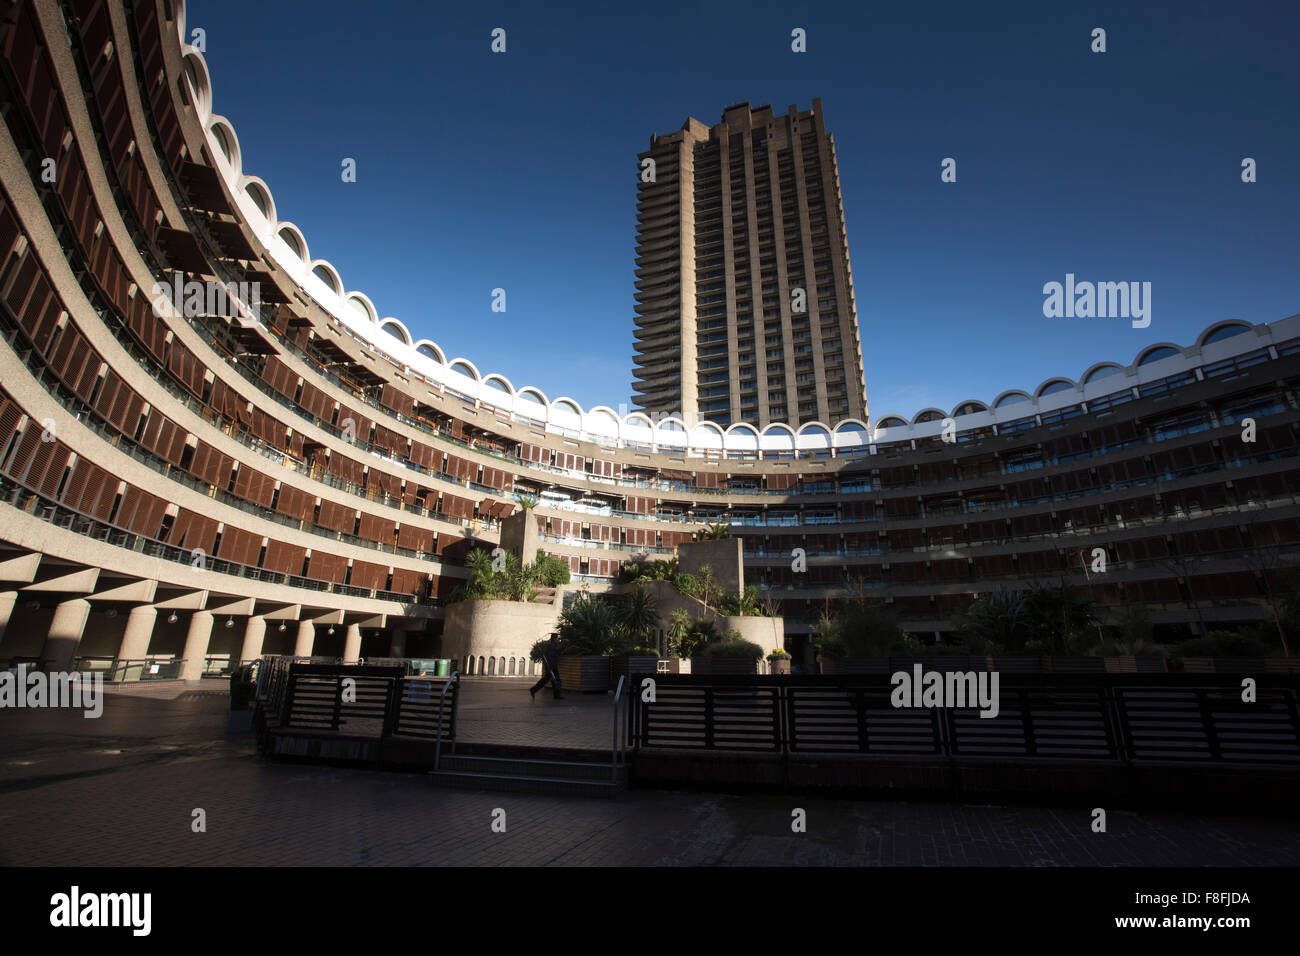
x: 724, y: 665
x: 780, y: 666
x: 869, y: 665
x: 1122, y: 664
x: 585, y: 675
x: 629, y: 665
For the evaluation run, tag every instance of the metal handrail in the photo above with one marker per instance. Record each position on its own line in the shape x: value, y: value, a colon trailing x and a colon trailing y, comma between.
x: 614, y: 756
x: 442, y: 698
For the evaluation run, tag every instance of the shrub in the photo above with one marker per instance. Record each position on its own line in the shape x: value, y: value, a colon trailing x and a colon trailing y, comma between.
x: 731, y: 646
x: 688, y: 635
x: 780, y: 654
x: 551, y: 571
x: 688, y: 584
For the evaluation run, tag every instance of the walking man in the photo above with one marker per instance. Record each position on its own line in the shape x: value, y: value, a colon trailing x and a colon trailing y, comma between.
x: 550, y: 669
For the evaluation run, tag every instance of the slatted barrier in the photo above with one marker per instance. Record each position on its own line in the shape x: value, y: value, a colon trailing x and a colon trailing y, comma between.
x: 359, y: 712
x: 1111, y: 717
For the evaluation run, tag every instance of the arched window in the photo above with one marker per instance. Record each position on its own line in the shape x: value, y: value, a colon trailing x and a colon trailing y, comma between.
x: 469, y: 666
x: 492, y: 667
x: 480, y: 667
x: 512, y: 667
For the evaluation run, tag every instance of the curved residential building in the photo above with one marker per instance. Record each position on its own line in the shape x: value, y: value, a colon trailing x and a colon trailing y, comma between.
x: 211, y: 448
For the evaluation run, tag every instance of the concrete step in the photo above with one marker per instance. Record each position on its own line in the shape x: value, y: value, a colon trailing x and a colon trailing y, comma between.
x: 529, y: 773
x: 530, y: 767
x: 466, y: 780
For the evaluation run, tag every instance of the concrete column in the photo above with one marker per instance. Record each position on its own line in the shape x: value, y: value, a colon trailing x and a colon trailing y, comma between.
x: 352, y: 644
x: 139, y: 631
x: 7, y: 601
x: 196, y: 645
x: 65, y: 632
x: 254, y: 635
x: 306, y: 639
x: 397, y: 646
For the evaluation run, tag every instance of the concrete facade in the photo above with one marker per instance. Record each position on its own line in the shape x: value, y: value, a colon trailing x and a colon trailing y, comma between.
x: 492, y: 631
x: 724, y: 556
x: 182, y: 482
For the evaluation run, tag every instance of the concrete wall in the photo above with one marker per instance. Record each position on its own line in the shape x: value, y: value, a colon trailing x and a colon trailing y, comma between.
x: 723, y: 556
x: 519, y: 535
x: 499, y: 629
x: 767, y: 632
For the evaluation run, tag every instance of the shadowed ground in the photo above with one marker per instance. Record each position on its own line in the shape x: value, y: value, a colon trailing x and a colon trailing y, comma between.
x: 120, y: 790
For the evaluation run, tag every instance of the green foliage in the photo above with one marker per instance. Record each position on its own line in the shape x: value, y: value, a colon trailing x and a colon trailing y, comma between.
x: 702, y: 585
x: 678, y: 623
x: 731, y: 645
x: 638, y: 615
x: 514, y: 582
x: 589, y: 626
x: 1043, y: 620
x: 688, y: 635
x: 742, y: 605
x: 643, y: 570
x: 1244, y: 642
x: 1063, y: 621
x: 551, y: 571
x: 535, y: 652
x: 864, y: 627
x: 713, y: 532
x: 1134, y: 625
x: 688, y: 584
x: 779, y: 654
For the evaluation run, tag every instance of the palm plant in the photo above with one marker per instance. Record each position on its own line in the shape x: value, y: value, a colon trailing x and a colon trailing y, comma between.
x: 997, y: 622
x: 678, y: 624
x: 517, y: 581
x: 588, y: 626
x: 638, y: 615
x: 1060, y: 616
x: 714, y: 531
x: 480, y: 583
x: 697, y: 634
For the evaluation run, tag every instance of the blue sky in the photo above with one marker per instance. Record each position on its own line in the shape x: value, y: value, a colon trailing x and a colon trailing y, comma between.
x: 518, y: 170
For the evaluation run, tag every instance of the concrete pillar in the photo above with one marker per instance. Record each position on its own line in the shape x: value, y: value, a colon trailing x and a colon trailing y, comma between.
x: 254, y: 636
x: 196, y: 645
x: 139, y: 631
x: 64, y: 636
x: 7, y: 601
x: 306, y: 639
x: 397, y: 646
x: 352, y: 644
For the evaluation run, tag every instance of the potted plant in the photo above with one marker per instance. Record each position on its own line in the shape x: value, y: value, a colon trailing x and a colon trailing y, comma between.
x: 779, y: 659
x: 588, y: 632
x: 637, y: 617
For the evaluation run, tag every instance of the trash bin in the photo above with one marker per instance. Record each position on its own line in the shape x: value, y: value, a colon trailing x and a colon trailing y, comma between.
x: 243, y: 698
x: 444, y: 666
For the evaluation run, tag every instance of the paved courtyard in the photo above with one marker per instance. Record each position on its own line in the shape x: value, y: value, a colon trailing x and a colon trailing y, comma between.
x: 122, y: 790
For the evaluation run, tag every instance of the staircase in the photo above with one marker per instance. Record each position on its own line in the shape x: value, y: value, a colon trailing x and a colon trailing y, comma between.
x: 532, y: 770
x: 545, y: 596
